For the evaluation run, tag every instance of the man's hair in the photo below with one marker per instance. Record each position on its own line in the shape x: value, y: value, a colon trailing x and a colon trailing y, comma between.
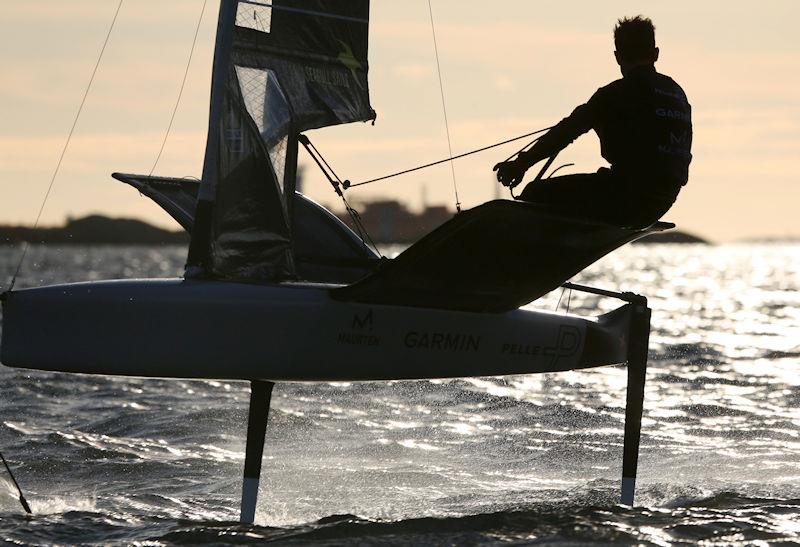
x: 635, y: 38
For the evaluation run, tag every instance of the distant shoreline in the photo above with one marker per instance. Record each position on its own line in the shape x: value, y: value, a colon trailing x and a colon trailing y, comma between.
x: 102, y: 230
x: 94, y: 230
x: 672, y: 236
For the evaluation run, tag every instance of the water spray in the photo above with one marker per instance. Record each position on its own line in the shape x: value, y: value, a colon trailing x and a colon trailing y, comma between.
x: 22, y: 499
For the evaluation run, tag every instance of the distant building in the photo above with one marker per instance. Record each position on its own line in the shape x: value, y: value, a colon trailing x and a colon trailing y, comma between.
x: 433, y: 216
x: 389, y: 221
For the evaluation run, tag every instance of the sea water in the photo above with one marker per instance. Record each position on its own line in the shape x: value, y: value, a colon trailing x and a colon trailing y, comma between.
x: 521, y: 459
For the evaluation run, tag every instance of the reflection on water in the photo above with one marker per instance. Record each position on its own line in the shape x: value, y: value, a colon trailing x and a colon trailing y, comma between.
x: 519, y: 458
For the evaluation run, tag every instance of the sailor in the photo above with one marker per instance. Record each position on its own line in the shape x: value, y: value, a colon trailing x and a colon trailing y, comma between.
x: 644, y: 124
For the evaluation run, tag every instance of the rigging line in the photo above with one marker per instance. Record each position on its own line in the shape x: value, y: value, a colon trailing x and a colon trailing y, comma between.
x: 180, y: 92
x: 332, y: 177
x: 324, y: 161
x: 363, y: 232
x: 559, y: 168
x: 338, y: 187
x: 444, y: 109
x: 66, y: 144
x: 569, y: 299
x: 560, y: 296
x: 471, y: 152
x: 355, y: 217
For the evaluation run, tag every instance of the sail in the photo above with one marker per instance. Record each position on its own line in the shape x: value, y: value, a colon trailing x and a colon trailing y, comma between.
x: 325, y: 250
x: 177, y: 196
x: 318, y: 51
x: 279, y: 68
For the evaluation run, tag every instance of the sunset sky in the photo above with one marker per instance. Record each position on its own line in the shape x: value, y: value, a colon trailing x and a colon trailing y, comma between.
x: 508, y: 67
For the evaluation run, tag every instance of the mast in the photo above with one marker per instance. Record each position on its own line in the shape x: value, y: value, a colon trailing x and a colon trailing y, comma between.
x: 199, y: 246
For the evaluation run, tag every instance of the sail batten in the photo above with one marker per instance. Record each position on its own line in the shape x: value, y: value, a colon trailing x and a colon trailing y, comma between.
x: 289, y: 66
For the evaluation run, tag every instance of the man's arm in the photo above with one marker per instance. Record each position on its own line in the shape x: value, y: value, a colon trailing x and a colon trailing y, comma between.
x: 581, y: 120
x: 560, y: 136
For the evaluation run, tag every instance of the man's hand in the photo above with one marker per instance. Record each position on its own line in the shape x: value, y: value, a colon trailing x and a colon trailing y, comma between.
x: 510, y: 173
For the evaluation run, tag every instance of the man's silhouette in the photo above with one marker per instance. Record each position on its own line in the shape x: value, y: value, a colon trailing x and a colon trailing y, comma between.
x: 644, y: 124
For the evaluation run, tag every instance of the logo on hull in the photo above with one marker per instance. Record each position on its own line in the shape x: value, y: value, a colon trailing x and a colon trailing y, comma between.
x: 567, y: 344
x: 441, y: 341
x: 360, y: 333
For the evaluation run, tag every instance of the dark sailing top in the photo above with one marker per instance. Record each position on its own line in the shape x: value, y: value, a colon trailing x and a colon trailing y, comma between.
x: 644, y: 123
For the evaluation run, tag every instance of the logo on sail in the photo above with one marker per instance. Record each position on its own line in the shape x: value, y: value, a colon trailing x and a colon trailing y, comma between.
x: 333, y: 75
x: 349, y: 60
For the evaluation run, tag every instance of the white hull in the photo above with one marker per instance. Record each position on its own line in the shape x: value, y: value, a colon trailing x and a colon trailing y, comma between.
x: 288, y: 332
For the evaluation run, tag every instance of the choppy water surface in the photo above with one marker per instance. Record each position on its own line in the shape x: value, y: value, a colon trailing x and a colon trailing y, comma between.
x: 521, y: 459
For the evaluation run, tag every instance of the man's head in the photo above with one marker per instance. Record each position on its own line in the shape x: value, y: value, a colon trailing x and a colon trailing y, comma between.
x: 635, y: 41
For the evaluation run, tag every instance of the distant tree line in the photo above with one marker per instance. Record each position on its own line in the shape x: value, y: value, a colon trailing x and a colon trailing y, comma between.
x: 387, y: 222
x: 95, y: 229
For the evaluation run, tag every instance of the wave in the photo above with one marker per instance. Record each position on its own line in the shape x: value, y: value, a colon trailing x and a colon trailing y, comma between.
x: 722, y: 517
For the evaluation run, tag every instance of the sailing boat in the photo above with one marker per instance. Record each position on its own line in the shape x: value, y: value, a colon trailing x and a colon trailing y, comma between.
x: 278, y: 289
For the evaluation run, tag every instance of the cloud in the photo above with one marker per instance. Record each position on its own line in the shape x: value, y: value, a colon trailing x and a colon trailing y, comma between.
x: 504, y: 83
x: 505, y: 72
x: 88, y: 154
x: 413, y: 71
x: 64, y: 14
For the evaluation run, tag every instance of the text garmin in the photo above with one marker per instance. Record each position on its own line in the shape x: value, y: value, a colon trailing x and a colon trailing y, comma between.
x: 443, y: 341
x: 673, y: 114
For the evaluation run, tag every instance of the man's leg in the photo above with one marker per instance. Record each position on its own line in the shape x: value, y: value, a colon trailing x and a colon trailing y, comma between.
x: 589, y: 195
x: 566, y: 190
x: 601, y: 196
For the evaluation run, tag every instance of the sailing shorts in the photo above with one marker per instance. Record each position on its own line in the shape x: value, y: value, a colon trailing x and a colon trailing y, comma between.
x: 603, y: 196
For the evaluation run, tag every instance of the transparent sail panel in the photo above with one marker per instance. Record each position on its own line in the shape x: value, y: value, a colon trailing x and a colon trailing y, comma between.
x: 267, y: 106
x: 254, y: 15
x: 277, y: 154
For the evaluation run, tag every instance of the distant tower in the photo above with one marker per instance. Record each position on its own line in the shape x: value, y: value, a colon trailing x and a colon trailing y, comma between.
x: 424, y: 196
x: 496, y: 186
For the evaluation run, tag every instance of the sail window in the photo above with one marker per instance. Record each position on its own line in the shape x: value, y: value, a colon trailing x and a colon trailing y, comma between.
x: 254, y: 15
x: 233, y: 136
x: 267, y: 106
